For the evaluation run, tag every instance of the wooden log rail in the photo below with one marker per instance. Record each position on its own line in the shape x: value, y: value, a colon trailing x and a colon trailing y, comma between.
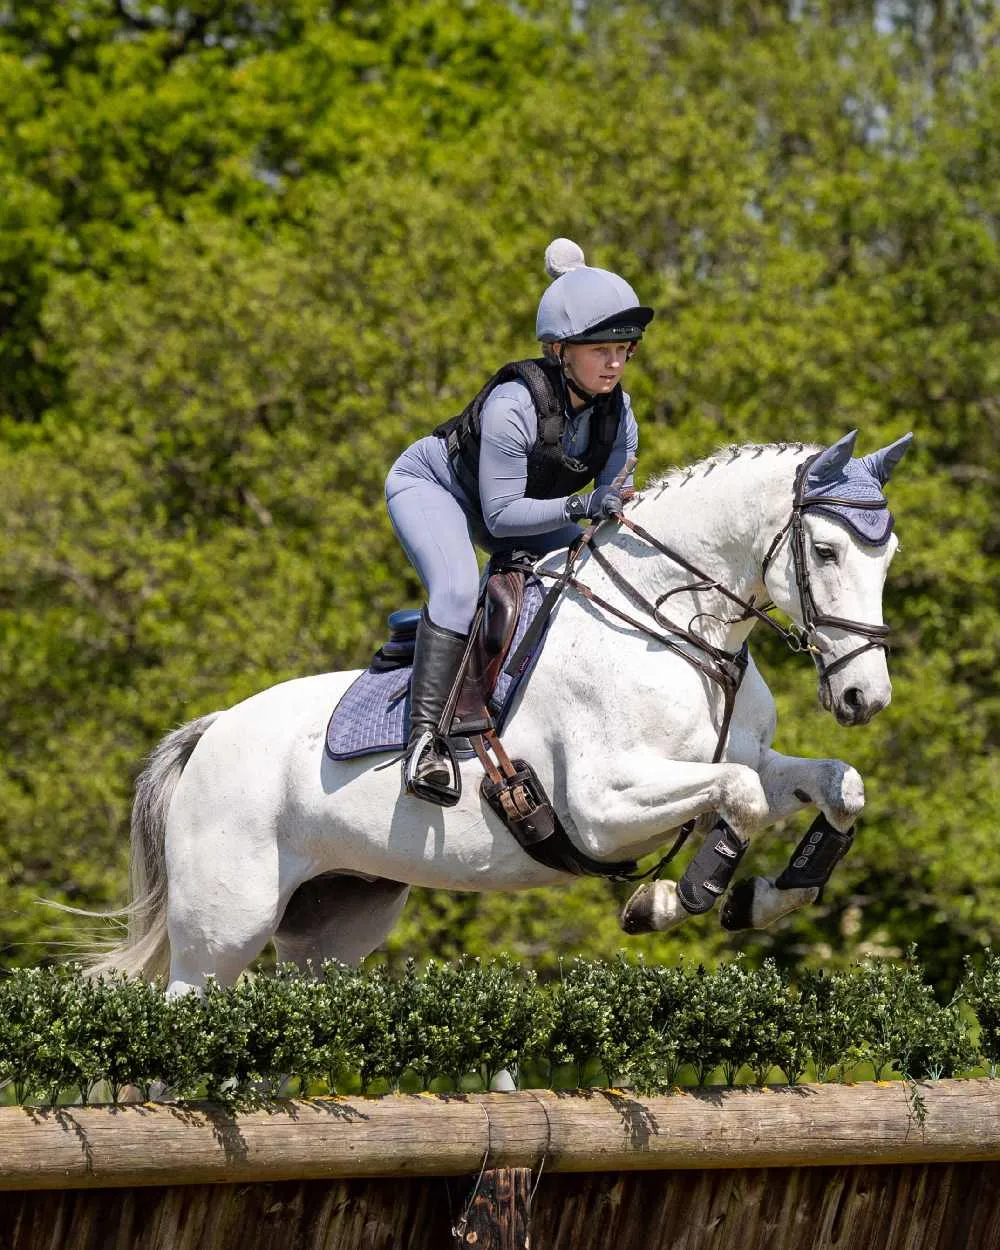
x: 440, y: 1135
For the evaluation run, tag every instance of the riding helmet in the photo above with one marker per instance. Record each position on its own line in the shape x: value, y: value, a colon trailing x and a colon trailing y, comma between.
x: 587, y: 305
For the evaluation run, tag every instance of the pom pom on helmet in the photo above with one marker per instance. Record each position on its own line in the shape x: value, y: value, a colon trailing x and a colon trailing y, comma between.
x: 561, y: 256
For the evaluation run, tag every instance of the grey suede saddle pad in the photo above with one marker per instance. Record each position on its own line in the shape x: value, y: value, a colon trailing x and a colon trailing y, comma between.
x: 374, y: 713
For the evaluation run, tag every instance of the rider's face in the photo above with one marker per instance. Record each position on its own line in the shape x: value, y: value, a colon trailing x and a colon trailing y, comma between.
x: 596, y: 367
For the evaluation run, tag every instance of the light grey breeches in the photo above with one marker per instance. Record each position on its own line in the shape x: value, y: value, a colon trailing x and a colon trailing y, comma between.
x: 435, y: 534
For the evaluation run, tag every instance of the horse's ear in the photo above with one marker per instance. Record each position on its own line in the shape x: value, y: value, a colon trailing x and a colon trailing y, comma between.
x: 829, y: 464
x: 881, y: 463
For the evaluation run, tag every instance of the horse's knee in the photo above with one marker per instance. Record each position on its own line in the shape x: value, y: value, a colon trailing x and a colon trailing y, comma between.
x: 742, y: 800
x: 847, y: 798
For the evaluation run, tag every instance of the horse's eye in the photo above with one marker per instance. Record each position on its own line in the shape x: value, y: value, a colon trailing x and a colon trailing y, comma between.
x: 825, y: 553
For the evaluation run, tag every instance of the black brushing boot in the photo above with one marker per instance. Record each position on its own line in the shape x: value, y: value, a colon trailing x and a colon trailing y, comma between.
x: 429, y: 770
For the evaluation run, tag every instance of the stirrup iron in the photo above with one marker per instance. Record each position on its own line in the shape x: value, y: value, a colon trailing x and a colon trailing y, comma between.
x: 445, y: 793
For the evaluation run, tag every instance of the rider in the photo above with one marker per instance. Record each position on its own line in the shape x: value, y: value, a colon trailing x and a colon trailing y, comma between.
x: 508, y: 472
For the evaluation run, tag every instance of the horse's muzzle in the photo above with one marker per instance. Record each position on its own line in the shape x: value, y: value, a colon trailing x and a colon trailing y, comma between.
x: 854, y: 706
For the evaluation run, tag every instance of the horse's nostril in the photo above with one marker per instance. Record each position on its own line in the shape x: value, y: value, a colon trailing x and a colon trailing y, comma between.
x: 854, y: 698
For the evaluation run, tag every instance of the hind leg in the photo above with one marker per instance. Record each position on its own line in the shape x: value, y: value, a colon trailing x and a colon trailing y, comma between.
x: 225, y: 896
x: 336, y: 916
x: 220, y: 941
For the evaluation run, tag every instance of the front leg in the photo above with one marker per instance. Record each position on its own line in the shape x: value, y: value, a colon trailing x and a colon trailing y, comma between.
x: 630, y: 806
x: 626, y: 806
x: 791, y: 784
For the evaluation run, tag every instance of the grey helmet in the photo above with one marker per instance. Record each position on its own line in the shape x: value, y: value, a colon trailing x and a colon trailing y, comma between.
x: 584, y: 304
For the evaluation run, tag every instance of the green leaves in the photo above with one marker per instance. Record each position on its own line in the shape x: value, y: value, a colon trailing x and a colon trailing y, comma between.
x: 981, y: 990
x: 455, y: 1026
x: 884, y: 1015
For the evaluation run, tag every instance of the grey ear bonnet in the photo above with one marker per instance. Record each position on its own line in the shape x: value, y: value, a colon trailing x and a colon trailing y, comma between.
x: 834, y: 475
x: 586, y: 304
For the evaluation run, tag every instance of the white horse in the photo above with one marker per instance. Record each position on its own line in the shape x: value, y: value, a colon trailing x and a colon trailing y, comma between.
x: 244, y: 829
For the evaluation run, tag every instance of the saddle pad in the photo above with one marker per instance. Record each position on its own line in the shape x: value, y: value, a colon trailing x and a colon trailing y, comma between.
x: 374, y: 713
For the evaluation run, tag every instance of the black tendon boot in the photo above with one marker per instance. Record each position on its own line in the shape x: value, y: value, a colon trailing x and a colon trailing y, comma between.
x: 429, y: 769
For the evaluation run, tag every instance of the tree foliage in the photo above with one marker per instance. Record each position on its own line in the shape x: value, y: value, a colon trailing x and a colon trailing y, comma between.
x: 249, y: 251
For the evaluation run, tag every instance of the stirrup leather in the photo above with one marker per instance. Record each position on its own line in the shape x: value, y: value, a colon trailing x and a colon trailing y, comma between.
x: 444, y: 794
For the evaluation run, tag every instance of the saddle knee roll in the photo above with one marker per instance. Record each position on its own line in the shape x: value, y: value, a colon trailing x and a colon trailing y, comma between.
x: 708, y: 875
x: 820, y: 851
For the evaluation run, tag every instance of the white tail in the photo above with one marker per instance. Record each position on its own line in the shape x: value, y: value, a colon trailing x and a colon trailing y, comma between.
x: 146, y: 950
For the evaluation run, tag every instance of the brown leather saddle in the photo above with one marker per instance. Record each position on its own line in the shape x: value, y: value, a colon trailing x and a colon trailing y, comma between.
x: 495, y: 624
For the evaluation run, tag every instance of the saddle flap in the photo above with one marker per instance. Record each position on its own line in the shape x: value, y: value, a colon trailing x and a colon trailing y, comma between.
x: 503, y: 599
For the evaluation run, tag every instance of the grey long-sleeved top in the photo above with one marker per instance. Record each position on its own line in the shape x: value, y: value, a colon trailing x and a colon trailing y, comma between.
x: 509, y: 432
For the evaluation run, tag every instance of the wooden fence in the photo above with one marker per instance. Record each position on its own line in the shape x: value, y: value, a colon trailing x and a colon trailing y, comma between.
x: 864, y: 1167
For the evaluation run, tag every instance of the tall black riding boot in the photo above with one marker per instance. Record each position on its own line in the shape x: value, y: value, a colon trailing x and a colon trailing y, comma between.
x: 429, y: 769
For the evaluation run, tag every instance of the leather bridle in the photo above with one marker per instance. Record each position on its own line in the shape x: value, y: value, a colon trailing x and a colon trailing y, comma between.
x: 812, y: 617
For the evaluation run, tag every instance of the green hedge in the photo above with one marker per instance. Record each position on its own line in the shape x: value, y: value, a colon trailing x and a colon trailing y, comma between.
x: 454, y: 1026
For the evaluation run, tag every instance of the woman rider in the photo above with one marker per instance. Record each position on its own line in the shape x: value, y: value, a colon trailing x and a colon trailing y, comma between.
x: 508, y: 473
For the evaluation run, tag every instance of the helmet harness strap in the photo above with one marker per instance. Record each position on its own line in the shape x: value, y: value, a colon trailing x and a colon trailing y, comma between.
x: 588, y: 397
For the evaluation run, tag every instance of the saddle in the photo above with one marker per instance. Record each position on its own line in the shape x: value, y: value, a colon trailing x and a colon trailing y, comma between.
x: 492, y: 633
x: 511, y: 787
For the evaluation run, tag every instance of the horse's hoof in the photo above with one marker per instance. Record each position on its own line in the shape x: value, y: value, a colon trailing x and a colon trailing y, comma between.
x: 653, y: 908
x: 637, y: 914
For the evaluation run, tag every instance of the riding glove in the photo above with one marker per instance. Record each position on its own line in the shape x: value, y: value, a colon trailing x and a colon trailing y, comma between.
x: 594, y: 506
x: 608, y: 507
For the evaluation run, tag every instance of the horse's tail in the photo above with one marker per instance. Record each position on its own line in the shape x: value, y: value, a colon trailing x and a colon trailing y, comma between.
x: 146, y: 950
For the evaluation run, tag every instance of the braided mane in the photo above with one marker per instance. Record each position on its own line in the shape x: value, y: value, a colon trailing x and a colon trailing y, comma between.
x: 679, y: 475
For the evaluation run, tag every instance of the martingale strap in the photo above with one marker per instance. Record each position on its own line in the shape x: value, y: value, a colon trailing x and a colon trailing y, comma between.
x: 723, y: 668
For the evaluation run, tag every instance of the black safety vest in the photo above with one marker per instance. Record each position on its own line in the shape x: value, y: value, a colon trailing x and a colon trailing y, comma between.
x: 551, y: 473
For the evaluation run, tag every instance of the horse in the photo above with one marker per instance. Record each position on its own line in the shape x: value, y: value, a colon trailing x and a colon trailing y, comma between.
x: 244, y: 829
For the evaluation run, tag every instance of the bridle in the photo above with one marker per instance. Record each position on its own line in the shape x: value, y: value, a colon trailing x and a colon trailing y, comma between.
x: 812, y: 617
x: 723, y: 668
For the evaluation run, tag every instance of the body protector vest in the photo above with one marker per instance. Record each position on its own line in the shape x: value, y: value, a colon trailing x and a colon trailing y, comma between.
x: 551, y: 473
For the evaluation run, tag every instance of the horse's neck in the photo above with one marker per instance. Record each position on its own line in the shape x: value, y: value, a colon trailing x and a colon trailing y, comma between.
x: 720, y: 517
